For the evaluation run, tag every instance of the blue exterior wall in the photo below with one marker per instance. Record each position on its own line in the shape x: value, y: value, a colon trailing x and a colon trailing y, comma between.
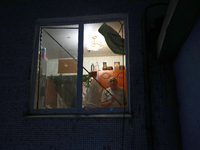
x: 16, y: 48
x: 187, y: 70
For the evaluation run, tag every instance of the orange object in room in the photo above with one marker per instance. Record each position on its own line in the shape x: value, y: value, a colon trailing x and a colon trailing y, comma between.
x: 104, y: 75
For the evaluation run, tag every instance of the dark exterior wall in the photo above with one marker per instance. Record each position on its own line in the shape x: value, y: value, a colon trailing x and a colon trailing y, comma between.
x: 19, y: 132
x: 187, y: 73
x: 160, y: 85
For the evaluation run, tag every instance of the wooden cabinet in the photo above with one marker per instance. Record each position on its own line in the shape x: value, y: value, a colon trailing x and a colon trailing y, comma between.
x: 104, y: 75
x: 51, y: 94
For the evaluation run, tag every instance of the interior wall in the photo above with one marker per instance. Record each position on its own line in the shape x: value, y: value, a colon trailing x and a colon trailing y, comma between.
x: 187, y: 71
x: 87, y: 61
x: 52, y: 64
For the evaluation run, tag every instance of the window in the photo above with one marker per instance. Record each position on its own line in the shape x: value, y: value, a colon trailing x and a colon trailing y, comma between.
x: 74, y: 58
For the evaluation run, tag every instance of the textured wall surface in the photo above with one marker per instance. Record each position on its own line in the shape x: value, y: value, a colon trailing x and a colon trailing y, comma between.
x: 16, y: 47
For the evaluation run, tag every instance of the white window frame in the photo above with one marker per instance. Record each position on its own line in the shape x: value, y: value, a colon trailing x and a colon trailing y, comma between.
x: 78, y: 110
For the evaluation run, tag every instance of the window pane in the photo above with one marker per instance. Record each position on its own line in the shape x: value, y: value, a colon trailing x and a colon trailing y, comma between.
x: 104, y: 57
x: 56, y: 85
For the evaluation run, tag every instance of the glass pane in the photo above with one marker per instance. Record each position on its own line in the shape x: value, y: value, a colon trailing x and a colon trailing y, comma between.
x: 56, y: 85
x: 104, y: 57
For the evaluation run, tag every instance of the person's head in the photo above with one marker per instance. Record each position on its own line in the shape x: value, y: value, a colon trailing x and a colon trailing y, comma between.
x: 113, y: 83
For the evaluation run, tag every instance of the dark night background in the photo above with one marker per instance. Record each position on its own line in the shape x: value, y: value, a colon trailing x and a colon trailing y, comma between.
x: 164, y: 96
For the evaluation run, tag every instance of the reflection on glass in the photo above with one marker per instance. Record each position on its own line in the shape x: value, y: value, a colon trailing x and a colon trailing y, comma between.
x: 56, y: 85
x: 96, y: 85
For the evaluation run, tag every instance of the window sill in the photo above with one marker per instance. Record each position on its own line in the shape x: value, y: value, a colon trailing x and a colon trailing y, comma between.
x: 87, y: 116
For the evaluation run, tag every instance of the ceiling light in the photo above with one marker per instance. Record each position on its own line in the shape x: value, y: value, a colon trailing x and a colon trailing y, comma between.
x: 94, y: 46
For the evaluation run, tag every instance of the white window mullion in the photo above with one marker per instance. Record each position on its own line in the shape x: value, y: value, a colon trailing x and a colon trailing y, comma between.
x: 80, y: 67
x: 127, y: 63
x: 35, y: 70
